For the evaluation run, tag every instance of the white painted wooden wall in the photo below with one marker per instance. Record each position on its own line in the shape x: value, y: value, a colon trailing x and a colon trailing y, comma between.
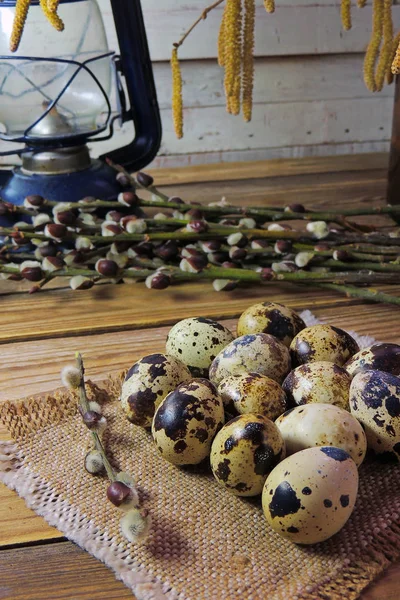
x: 309, y: 96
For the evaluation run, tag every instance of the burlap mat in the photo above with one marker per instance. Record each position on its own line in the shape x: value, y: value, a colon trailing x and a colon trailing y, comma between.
x: 205, y: 543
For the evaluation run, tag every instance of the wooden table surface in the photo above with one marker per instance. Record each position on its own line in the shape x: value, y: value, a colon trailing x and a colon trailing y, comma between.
x: 114, y: 325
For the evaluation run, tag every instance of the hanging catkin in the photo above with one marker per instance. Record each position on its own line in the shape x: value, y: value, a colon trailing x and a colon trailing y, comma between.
x: 269, y: 5
x: 21, y: 12
x: 386, y: 50
x: 177, y: 105
x: 361, y: 3
x: 221, y: 40
x: 345, y: 12
x: 53, y: 5
x: 373, y: 47
x: 233, y: 48
x: 389, y: 74
x: 248, y: 59
x: 52, y: 17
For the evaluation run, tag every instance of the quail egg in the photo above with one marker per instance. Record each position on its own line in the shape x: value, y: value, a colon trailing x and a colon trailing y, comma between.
x: 196, y: 342
x: 319, y: 381
x: 256, y: 352
x: 269, y: 317
x: 381, y: 357
x: 375, y: 402
x: 186, y: 422
x: 310, y: 495
x: 253, y: 393
x: 147, y: 383
x: 322, y: 425
x: 244, y: 451
x: 322, y: 342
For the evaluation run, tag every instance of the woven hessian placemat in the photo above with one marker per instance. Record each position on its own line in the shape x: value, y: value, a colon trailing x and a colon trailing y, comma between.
x: 204, y: 542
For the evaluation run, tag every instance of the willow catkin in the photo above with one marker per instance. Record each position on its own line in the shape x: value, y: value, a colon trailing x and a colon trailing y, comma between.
x: 248, y: 59
x: 345, y: 12
x: 269, y: 6
x: 52, y: 17
x: 53, y: 5
x: 221, y: 40
x: 395, y: 44
x: 233, y: 48
x: 361, y: 3
x: 386, y: 50
x: 177, y: 104
x: 21, y: 12
x: 372, y: 52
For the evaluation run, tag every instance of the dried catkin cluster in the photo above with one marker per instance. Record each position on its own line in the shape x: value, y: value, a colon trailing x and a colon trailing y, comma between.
x: 49, y: 8
x: 236, y: 52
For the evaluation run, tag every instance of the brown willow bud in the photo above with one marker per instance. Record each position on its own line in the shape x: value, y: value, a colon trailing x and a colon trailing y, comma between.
x: 40, y: 220
x: 18, y: 238
x: 128, y: 198
x: 227, y: 264
x: 217, y: 258
x: 144, y: 179
x: 79, y: 282
x: 168, y: 250
x: 321, y: 247
x: 229, y: 222
x: 224, y: 285
x: 123, y: 180
x: 55, y: 231
x: 236, y: 253
x: 295, y: 208
x: 341, y: 255
x: 176, y: 200
x: 285, y: 266
x: 109, y: 229
x: 195, y: 264
x: 106, y: 267
x: 158, y: 281
x: 33, y: 201
x: 67, y: 217
x: 94, y: 421
x: 267, y: 274
x: 210, y: 246
x: 120, y: 247
x: 189, y: 251
x: 74, y: 257
x: 52, y: 263
x: 258, y: 244
x: 195, y: 214
x: 31, y: 270
x: 118, y: 492
x: 5, y: 208
x: 237, y: 239
x: 114, y: 215
x: 197, y: 226
x: 283, y: 246
x: 46, y: 249
x: 144, y: 249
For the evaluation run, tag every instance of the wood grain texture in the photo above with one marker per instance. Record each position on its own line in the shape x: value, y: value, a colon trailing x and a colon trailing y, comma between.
x: 70, y: 573
x: 115, y: 325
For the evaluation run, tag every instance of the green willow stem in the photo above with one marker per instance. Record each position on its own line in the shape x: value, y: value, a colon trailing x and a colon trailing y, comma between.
x: 85, y: 408
x: 363, y: 293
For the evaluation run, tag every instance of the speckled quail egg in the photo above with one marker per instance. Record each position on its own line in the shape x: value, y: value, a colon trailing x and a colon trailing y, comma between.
x: 196, y: 342
x: 256, y: 352
x: 381, y: 357
x: 310, y: 495
x: 186, y: 422
x: 322, y: 425
x: 375, y: 402
x: 269, y: 317
x: 253, y: 393
x: 244, y: 451
x: 322, y: 342
x: 320, y: 381
x: 147, y: 383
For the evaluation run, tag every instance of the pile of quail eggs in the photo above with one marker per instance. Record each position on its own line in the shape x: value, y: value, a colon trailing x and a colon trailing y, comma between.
x: 282, y: 410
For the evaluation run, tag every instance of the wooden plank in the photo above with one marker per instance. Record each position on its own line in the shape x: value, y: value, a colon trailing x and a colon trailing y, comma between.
x: 70, y: 573
x: 298, y: 27
x: 276, y: 79
x: 371, y: 162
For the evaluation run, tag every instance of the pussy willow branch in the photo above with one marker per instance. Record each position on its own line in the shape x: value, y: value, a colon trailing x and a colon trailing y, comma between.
x: 84, y: 403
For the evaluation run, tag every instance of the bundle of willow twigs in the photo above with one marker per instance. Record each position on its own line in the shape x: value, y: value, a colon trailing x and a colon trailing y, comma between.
x: 236, y: 52
x: 126, y: 240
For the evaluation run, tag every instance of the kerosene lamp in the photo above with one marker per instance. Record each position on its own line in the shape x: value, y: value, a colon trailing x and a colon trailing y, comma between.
x: 62, y: 90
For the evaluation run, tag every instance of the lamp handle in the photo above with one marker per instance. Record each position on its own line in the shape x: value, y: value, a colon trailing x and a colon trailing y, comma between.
x: 136, y: 66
